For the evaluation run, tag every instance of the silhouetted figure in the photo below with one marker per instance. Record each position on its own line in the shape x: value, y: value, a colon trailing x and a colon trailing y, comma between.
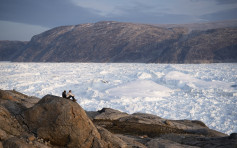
x: 70, y: 95
x: 64, y: 94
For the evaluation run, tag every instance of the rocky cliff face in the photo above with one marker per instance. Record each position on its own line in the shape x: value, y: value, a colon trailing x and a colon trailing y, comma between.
x: 127, y: 42
x: 10, y: 50
x: 217, y: 45
x: 57, y: 122
x: 203, y: 26
x: 100, y: 42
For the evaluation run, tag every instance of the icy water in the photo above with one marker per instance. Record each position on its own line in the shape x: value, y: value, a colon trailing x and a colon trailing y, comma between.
x: 206, y: 92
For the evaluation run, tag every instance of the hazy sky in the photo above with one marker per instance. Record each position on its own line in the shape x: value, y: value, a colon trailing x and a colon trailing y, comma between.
x: 21, y: 19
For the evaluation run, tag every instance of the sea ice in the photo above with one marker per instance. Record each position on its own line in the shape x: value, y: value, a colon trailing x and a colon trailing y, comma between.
x: 205, y: 92
x: 140, y: 88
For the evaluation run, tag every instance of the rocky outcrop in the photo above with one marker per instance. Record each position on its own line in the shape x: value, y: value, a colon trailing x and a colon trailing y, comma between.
x: 15, y: 102
x: 152, y: 131
x: 57, y: 122
x: 62, y: 122
x: 128, y: 42
x: 110, y: 115
x: 12, y: 104
x: 112, y: 140
x: 12, y: 132
x: 52, y: 121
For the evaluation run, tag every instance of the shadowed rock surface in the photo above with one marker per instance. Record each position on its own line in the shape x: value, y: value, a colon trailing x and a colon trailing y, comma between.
x: 57, y: 122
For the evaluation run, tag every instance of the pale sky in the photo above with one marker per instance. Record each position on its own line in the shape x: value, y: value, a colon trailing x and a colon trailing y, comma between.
x: 21, y: 19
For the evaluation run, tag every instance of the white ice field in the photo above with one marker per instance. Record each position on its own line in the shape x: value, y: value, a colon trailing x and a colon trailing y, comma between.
x: 206, y: 92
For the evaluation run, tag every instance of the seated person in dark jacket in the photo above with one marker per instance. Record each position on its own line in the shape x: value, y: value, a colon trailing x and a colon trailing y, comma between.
x: 64, y: 94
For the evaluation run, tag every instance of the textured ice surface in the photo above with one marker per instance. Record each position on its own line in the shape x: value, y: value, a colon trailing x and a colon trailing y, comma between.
x: 206, y: 92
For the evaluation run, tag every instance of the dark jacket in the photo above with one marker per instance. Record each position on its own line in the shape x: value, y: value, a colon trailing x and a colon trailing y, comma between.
x: 64, y: 95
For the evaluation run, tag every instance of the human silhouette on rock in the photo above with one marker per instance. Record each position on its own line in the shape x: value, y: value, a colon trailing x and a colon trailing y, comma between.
x: 64, y: 94
x: 70, y: 95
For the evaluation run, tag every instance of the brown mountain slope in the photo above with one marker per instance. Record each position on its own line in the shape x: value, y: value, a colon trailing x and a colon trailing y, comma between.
x: 216, y: 45
x: 100, y: 42
x: 203, y: 26
x: 127, y: 42
x: 10, y: 49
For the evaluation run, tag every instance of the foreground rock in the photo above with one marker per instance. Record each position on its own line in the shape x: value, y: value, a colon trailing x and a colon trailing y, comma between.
x: 152, y: 131
x: 62, y: 122
x: 56, y: 122
x: 52, y: 121
x: 12, y: 133
x: 151, y: 125
x: 12, y: 103
x: 15, y: 102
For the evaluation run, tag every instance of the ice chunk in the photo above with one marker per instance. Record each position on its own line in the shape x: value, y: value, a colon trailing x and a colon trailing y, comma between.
x: 140, y: 88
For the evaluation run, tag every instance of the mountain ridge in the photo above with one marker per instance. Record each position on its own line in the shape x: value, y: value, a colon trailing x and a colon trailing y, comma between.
x: 114, y: 42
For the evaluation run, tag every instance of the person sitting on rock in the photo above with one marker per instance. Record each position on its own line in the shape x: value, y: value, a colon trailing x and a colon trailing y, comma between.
x: 64, y: 94
x: 70, y: 95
